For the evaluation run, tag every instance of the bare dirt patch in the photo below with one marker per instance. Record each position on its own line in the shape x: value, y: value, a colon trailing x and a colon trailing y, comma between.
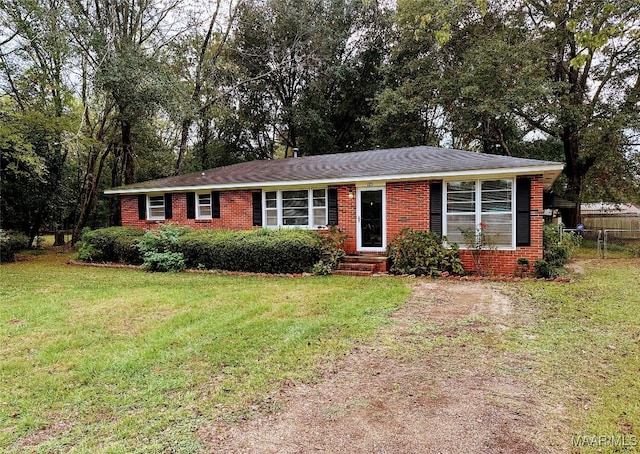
x: 435, y: 380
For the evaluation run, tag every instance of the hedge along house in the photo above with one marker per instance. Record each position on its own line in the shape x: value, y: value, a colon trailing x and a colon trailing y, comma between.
x: 370, y: 195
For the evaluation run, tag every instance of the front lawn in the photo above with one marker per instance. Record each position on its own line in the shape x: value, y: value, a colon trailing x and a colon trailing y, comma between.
x: 582, y: 348
x: 117, y: 360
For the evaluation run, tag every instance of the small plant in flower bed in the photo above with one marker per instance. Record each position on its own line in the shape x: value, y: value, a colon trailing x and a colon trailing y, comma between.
x: 422, y: 253
x: 478, y: 240
x: 10, y: 243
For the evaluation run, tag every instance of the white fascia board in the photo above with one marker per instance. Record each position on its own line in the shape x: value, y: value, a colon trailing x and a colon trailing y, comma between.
x: 483, y: 173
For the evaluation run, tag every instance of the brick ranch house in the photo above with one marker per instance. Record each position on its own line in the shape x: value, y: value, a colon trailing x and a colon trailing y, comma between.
x: 370, y: 195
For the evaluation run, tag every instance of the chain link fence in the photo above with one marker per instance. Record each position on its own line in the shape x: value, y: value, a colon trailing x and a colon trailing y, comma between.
x: 608, y: 243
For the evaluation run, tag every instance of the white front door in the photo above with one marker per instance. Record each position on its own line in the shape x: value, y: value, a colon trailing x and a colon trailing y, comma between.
x: 371, y: 234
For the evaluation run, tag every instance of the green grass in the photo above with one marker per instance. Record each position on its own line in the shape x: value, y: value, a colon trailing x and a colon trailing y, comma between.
x: 583, y: 347
x: 117, y: 360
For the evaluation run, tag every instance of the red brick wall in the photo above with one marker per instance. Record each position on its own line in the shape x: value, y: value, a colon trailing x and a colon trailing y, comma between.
x: 407, y: 205
x: 347, y: 216
x: 235, y: 212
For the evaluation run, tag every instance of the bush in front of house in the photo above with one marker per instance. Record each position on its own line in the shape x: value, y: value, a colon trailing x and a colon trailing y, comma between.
x: 422, y: 253
x: 332, y: 251
x: 111, y: 244
x: 557, y: 250
x: 159, y: 248
x: 10, y: 243
x: 258, y: 251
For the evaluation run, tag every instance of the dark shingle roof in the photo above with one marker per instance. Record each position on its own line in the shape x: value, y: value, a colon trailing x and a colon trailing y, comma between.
x: 390, y: 164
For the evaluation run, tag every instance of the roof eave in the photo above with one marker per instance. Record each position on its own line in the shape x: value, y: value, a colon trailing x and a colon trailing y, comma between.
x: 549, y: 171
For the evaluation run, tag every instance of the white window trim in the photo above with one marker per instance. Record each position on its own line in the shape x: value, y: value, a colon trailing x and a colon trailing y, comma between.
x: 164, y: 208
x: 478, y: 208
x: 198, y: 215
x: 310, y: 208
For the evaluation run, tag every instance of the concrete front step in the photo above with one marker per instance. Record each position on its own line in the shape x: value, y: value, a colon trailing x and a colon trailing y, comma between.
x: 362, y: 265
x: 358, y: 266
x: 364, y: 259
x: 352, y: 273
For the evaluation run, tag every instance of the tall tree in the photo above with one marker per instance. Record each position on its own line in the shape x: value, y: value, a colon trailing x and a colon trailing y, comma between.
x: 587, y: 54
x: 506, y: 75
x: 126, y: 83
x: 209, y: 47
x: 123, y: 43
x: 33, y: 58
x: 310, y: 66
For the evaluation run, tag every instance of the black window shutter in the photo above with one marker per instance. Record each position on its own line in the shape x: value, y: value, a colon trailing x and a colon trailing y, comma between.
x: 332, y: 201
x: 215, y: 204
x: 168, y: 206
x: 435, y: 207
x: 142, y: 207
x: 257, y: 208
x: 191, y: 205
x: 523, y: 212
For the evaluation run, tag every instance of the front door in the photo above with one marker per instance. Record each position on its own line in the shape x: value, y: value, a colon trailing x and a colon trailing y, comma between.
x: 371, y: 225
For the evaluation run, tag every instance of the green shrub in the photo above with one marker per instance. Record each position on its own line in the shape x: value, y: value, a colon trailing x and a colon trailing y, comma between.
x: 332, y: 251
x: 523, y: 266
x: 546, y: 270
x: 260, y: 251
x: 422, y: 253
x: 159, y: 249
x: 111, y: 244
x: 10, y: 243
x: 165, y: 262
x: 557, y: 250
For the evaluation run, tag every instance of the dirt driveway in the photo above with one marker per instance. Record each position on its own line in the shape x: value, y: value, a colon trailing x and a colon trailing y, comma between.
x: 435, y: 380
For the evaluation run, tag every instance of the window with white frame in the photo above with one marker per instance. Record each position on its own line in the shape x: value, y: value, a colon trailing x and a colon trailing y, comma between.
x: 480, y: 204
x: 271, y: 208
x: 295, y: 208
x: 319, y: 207
x: 156, y: 207
x: 203, y: 206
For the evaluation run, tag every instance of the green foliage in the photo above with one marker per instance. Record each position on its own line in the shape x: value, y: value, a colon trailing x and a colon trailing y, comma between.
x: 558, y: 248
x: 173, y: 248
x: 316, y: 93
x: 159, y: 249
x: 164, y: 261
x: 111, y: 244
x: 422, y: 253
x: 332, y: 243
x: 10, y: 243
x: 259, y: 251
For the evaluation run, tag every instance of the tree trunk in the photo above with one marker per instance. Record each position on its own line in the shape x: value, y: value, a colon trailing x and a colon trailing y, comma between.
x: 59, y: 238
x: 184, y: 139
x: 574, y: 172
x: 128, y: 164
x: 90, y: 195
